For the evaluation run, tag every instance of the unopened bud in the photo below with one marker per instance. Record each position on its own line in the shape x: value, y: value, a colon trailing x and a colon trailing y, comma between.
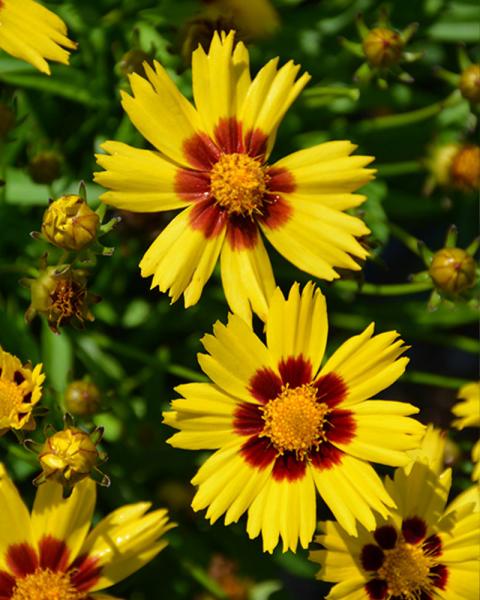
x: 45, y: 167
x: 465, y: 168
x: 70, y: 223
x: 132, y: 62
x: 82, y: 398
x: 452, y: 270
x: 382, y: 47
x: 69, y: 456
x: 470, y: 83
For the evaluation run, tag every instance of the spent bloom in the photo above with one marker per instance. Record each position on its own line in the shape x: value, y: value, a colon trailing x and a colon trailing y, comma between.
x: 284, y: 427
x: 423, y: 550
x: 33, y: 33
x: 211, y: 160
x: 20, y: 391
x: 50, y: 553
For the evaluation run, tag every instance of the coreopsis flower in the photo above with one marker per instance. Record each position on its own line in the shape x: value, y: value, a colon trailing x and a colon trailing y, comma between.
x: 283, y: 427
x: 31, y: 32
x: 467, y: 411
x: 20, y: 391
x: 212, y: 161
x: 421, y: 551
x: 50, y: 553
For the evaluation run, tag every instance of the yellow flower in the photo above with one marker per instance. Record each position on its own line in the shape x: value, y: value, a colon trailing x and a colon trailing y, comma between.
x: 468, y: 413
x: 283, y: 427
x: 20, y: 390
x: 50, y: 554
x: 32, y: 33
x: 212, y: 161
x: 422, y: 550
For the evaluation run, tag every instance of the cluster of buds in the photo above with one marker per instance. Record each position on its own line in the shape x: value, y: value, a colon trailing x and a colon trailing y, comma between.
x: 453, y: 166
x: 382, y: 50
x: 70, y: 455
x: 453, y: 272
x: 60, y: 292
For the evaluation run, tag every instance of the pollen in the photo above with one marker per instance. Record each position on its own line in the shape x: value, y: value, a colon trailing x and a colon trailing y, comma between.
x: 406, y: 570
x: 238, y: 183
x: 294, y: 420
x: 45, y: 584
x: 10, y: 398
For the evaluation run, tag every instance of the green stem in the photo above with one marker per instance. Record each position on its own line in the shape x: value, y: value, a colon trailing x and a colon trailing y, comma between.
x: 406, y: 238
x: 201, y: 577
x: 319, y: 90
x: 400, y: 168
x: 387, y: 289
x: 423, y: 378
x: 409, y: 118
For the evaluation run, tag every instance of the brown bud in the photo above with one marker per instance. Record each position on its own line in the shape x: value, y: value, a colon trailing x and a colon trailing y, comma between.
x: 382, y: 47
x: 70, y: 223
x: 82, y: 398
x: 470, y: 83
x: 132, y: 62
x: 452, y: 270
x: 45, y: 167
x: 465, y: 168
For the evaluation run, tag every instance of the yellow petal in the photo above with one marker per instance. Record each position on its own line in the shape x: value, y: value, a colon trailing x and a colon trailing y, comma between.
x: 235, y: 355
x: 161, y: 114
x: 139, y: 180
x: 67, y: 519
x: 298, y: 325
x: 14, y: 516
x: 247, y: 279
x: 182, y: 259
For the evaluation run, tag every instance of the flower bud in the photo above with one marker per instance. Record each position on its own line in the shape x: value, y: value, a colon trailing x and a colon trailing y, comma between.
x: 45, y: 167
x: 7, y: 120
x: 452, y: 270
x: 439, y: 162
x: 70, y: 223
x: 82, y: 398
x: 68, y: 456
x: 61, y: 295
x: 132, y: 62
x: 382, y: 47
x: 465, y: 168
x: 470, y: 84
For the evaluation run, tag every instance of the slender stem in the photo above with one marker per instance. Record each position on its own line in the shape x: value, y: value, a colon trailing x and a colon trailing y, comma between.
x: 409, y: 240
x: 433, y: 379
x: 202, y: 577
x: 409, y: 118
x: 319, y: 90
x: 387, y: 289
x: 400, y: 168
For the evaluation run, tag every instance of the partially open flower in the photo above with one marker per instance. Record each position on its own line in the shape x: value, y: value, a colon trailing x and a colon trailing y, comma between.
x: 82, y: 398
x: 62, y: 296
x: 20, y: 390
x: 69, y: 456
x: 45, y: 167
x: 383, y: 47
x: 70, y: 223
x: 469, y: 83
x: 452, y: 270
